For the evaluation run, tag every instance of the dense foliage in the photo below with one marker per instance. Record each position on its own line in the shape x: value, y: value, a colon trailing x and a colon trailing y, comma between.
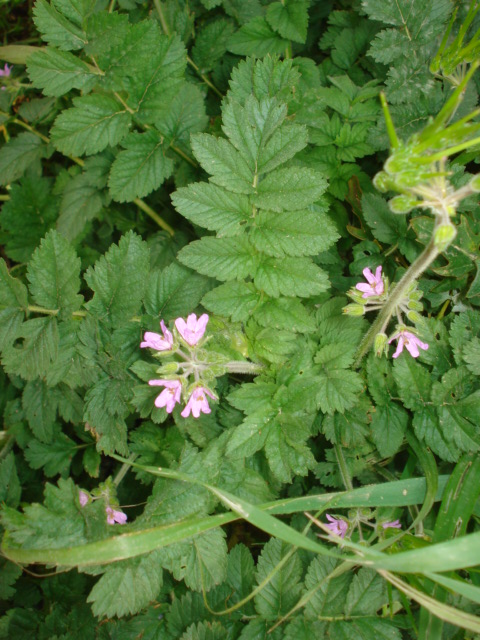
x: 239, y: 320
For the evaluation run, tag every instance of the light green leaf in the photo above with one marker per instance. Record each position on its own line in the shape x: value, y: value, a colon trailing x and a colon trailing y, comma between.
x: 54, y: 275
x: 220, y: 159
x: 338, y: 390
x: 31, y: 359
x: 233, y: 299
x: 290, y: 277
x: 471, y: 355
x: 141, y: 168
x: 221, y: 258
x: 118, y: 280
x: 127, y: 587
x: 54, y: 457
x: 206, y: 562
x: 185, y: 115
x: 175, y: 291
x: 82, y: 201
x: 289, y: 189
x: 293, y: 233
x: 57, y: 72
x: 211, y: 43
x: 328, y: 594
x: 389, y: 423
x: 213, y: 208
x: 250, y: 436
x: 290, y: 19
x: 385, y: 226
x: 284, y: 313
x: 367, y: 593
x: 94, y: 123
x: 256, y: 38
x: 283, y: 145
x: 18, y: 154
x: 56, y: 29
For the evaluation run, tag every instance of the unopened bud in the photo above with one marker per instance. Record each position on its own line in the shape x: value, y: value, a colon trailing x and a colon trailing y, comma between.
x: 414, y: 317
x: 380, y: 344
x: 415, y: 305
x: 443, y: 236
x: 354, y: 310
x: 383, y: 182
x: 168, y: 369
x: 403, y: 204
x: 474, y: 184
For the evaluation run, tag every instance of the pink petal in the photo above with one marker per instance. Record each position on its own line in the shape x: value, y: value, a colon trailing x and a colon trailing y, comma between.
x: 378, y: 274
x: 399, y: 347
x: 368, y: 275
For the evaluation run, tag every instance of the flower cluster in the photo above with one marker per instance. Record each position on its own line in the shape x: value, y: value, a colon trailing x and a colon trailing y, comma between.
x: 341, y: 526
x: 372, y: 295
x: 184, y: 345
x: 5, y: 72
x: 113, y: 515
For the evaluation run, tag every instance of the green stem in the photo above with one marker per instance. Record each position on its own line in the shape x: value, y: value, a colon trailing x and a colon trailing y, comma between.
x: 4, y: 198
x: 31, y: 129
x: 49, y: 312
x: 288, y: 51
x: 244, y: 367
x: 124, y: 469
x: 342, y: 463
x: 424, y: 260
x: 204, y: 77
x: 163, y: 22
x: 150, y: 212
x: 184, y: 155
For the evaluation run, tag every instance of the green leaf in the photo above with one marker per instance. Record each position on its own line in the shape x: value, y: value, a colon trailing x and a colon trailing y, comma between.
x: 205, y: 631
x: 328, y: 594
x: 175, y: 291
x: 213, y: 208
x: 250, y: 436
x: 31, y: 358
x: 40, y: 406
x: 56, y: 29
x: 54, y: 275
x: 289, y: 189
x: 290, y: 19
x: 16, y: 156
x: 57, y: 72
x: 338, y: 390
x: 364, y: 629
x: 13, y: 304
x: 141, y: 168
x: 272, y: 346
x: 10, y: 489
x: 290, y: 277
x: 389, y: 423
x: 367, y: 593
x: 471, y: 355
x: 105, y: 411
x: 185, y: 115
x: 220, y: 159
x: 221, y: 258
x: 118, y: 280
x: 206, y: 561
x: 282, y: 145
x: 27, y: 216
x: 94, y: 123
x: 285, y: 449
x: 127, y: 587
x: 232, y: 299
x: 54, y: 457
x: 82, y: 201
x: 240, y: 573
x: 211, y: 44
x: 293, y: 233
x: 282, y: 591
x: 284, y: 313
x: 385, y: 225
x: 256, y: 38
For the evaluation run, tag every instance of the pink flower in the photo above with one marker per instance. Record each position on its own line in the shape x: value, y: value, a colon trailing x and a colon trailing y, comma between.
x: 6, y: 71
x: 156, y: 341
x: 410, y: 341
x: 115, y: 516
x: 392, y: 525
x: 170, y: 395
x: 197, y: 403
x: 192, y: 330
x: 83, y: 497
x: 337, y: 526
x: 375, y: 283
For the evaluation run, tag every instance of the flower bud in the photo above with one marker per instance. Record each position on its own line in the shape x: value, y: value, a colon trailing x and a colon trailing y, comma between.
x: 443, y: 236
x: 380, y: 345
x: 403, y: 204
x: 354, y: 309
x: 414, y: 317
x: 168, y: 369
x: 474, y: 184
x: 415, y: 305
x: 383, y: 182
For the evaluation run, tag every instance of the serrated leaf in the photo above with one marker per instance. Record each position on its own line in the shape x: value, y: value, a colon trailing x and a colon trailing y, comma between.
x: 364, y: 629
x: 31, y: 359
x: 127, y: 587
x: 105, y: 31
x: 329, y: 596
x: 57, y: 72
x: 283, y: 145
x: 281, y: 593
x: 211, y: 43
x: 213, y: 208
x: 141, y: 168
x: 272, y: 346
x: 40, y: 406
x: 256, y: 38
x: 221, y: 258
x: 105, y: 411
x: 233, y: 299
x: 293, y: 233
x: 56, y: 29
x: 82, y: 201
x: 290, y: 277
x: 367, y: 593
x: 223, y: 162
x: 389, y: 424
x: 205, y: 631
x: 284, y: 313
x: 206, y: 562
x: 240, y: 572
x: 94, y: 123
x: 185, y: 115
x: 338, y: 390
x: 290, y: 19
x: 289, y: 189
x: 54, y: 275
x: 13, y: 303
x: 389, y: 45
x: 385, y: 225
x: 54, y: 457
x: 250, y: 436
x: 16, y: 156
x: 118, y: 279
x: 175, y: 291
x: 471, y: 355
x: 286, y: 453
x: 335, y: 356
